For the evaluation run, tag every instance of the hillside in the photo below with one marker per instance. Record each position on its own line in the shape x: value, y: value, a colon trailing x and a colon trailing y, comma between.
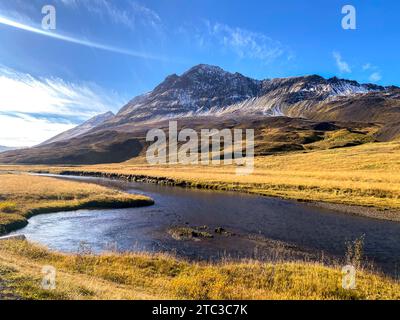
x: 288, y: 114
x: 81, y: 129
x: 3, y: 148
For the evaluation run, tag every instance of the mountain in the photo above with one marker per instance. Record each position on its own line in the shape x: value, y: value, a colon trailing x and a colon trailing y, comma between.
x: 209, y: 90
x: 81, y: 129
x: 296, y: 113
x: 198, y: 90
x: 3, y: 148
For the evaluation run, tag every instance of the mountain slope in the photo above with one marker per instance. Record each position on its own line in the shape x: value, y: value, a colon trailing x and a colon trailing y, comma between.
x: 81, y: 129
x: 3, y: 148
x: 272, y: 135
x: 287, y: 114
x: 209, y: 90
x: 196, y: 91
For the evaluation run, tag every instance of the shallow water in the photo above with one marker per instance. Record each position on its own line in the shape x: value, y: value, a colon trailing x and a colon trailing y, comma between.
x: 145, y: 228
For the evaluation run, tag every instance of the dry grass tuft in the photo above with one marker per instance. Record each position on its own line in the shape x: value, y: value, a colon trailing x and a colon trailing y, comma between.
x: 159, y: 276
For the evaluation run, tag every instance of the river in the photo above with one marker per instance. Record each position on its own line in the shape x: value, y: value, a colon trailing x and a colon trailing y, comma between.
x: 297, y: 229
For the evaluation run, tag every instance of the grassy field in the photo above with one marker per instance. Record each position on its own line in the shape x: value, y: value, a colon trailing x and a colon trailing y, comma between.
x: 23, y: 195
x: 145, y: 276
x: 366, y: 175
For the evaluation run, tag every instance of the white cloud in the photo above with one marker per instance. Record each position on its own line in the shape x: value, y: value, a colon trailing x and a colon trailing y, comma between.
x: 26, y: 27
x: 24, y: 131
x: 26, y: 94
x: 47, y: 106
x: 375, y: 77
x: 367, y: 66
x: 244, y: 43
x: 341, y: 64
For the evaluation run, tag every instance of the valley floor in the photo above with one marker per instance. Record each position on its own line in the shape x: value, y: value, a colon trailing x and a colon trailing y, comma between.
x: 366, y: 176
x: 362, y: 180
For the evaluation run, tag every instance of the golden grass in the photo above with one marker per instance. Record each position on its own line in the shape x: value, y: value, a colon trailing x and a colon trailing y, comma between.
x: 341, y: 138
x: 157, y: 276
x: 23, y: 195
x: 366, y: 175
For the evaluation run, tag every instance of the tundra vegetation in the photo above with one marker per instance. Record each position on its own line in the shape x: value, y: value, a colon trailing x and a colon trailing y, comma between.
x: 159, y: 276
x: 366, y: 176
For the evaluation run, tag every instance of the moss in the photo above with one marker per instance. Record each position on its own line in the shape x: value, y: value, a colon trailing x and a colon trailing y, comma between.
x: 187, y: 233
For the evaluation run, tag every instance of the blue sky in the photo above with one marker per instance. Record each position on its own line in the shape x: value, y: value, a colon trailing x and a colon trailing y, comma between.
x: 104, y: 52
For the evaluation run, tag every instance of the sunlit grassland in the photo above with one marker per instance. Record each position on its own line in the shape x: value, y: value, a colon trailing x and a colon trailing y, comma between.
x: 366, y: 175
x: 23, y: 195
x: 159, y: 276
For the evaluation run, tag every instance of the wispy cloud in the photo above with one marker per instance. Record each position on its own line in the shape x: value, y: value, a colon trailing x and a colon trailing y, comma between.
x: 342, y: 65
x: 130, y: 14
x: 238, y: 42
x: 47, y: 106
x: 367, y: 66
x: 20, y: 10
x: 70, y: 3
x: 24, y: 130
x: 245, y: 43
x: 75, y: 40
x: 375, y: 76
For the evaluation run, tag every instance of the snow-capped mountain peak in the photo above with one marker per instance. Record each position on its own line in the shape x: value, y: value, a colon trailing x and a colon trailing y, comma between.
x: 210, y: 90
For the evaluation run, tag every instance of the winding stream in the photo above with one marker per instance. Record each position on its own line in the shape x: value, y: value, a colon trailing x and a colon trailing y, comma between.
x: 249, y: 217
